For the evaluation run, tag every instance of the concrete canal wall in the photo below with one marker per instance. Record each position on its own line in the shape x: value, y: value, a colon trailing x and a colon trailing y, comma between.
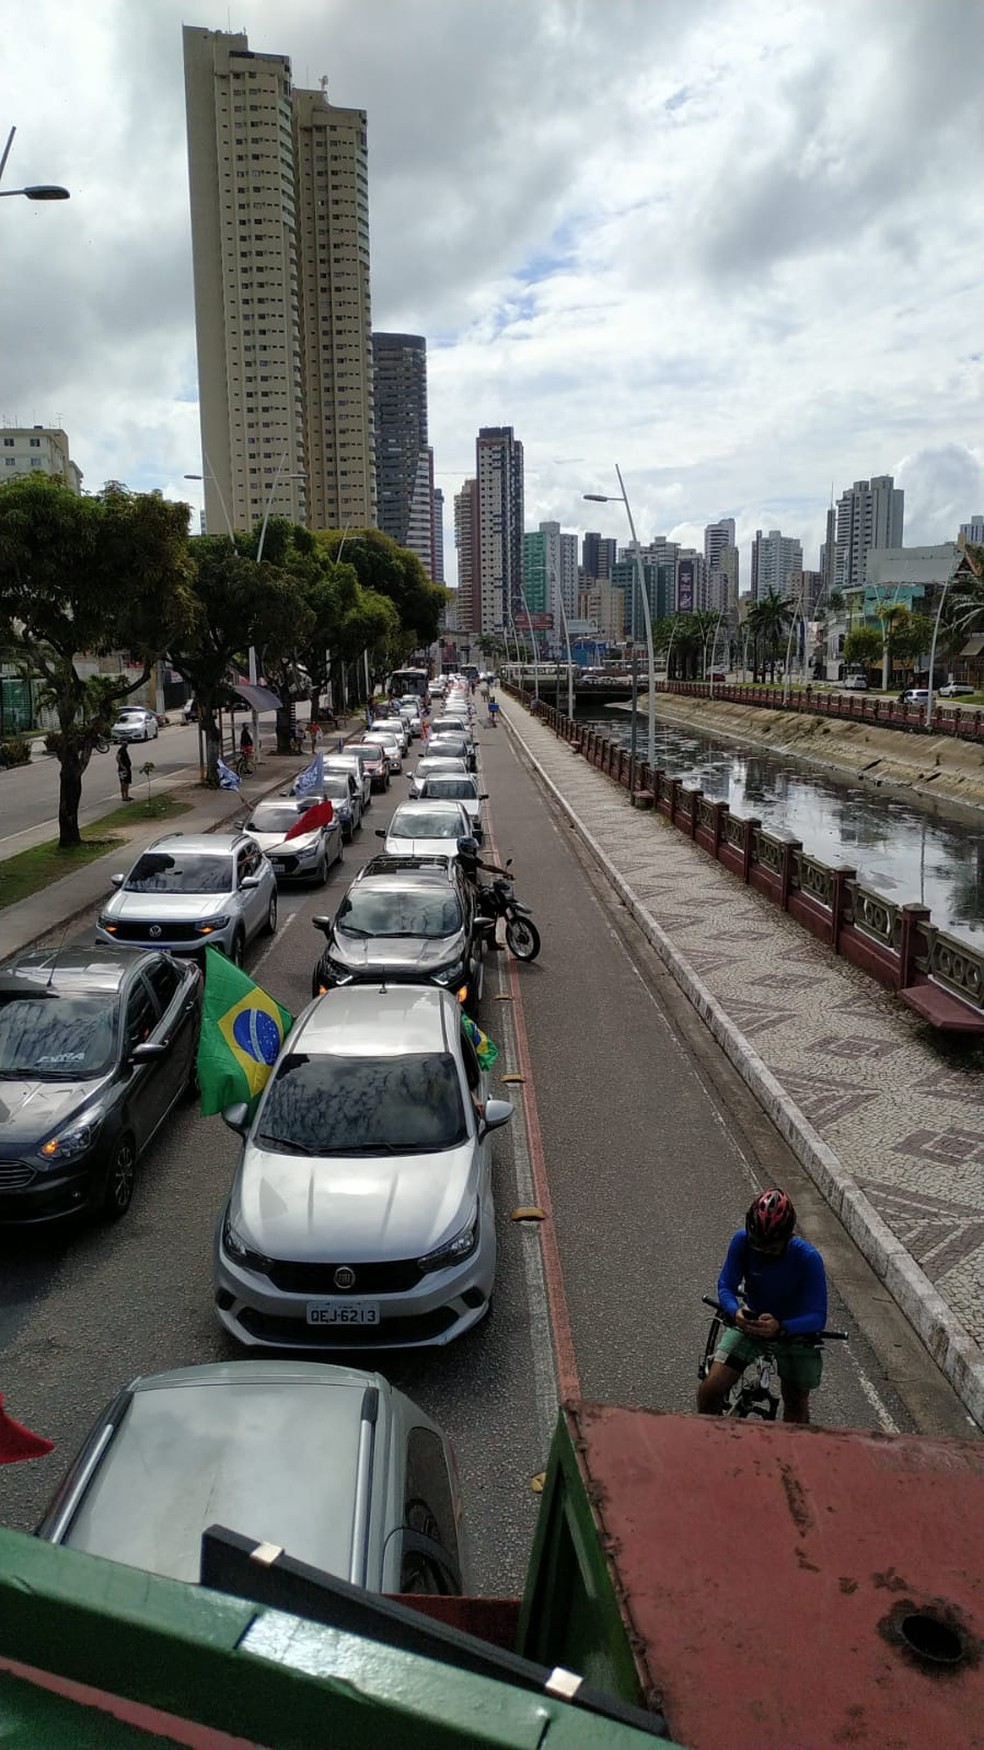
x: 938, y: 766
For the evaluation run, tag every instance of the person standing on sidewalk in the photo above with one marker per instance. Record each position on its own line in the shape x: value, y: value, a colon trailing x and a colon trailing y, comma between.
x: 124, y: 770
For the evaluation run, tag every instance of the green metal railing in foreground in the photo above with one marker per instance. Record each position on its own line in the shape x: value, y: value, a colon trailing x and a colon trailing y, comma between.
x: 95, y: 1656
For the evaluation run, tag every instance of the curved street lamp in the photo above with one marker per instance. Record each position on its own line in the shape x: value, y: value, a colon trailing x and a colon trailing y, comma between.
x: 35, y: 191
x: 622, y: 498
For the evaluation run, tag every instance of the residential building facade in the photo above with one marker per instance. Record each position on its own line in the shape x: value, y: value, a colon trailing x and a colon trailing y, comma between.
x: 598, y: 554
x: 869, y: 514
x: 774, y: 556
x: 399, y: 368
x: 499, y: 474
x: 38, y: 449
x: 278, y: 182
x: 974, y: 530
x: 469, y: 598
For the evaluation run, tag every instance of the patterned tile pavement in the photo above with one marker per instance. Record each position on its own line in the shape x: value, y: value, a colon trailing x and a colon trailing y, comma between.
x: 902, y: 1112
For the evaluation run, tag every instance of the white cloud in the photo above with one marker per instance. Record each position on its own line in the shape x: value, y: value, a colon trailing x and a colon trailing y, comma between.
x: 733, y: 245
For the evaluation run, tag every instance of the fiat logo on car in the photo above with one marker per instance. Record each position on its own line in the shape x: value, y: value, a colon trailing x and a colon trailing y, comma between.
x: 344, y: 1276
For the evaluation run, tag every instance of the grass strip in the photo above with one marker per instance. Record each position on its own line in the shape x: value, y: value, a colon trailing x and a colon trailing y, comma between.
x: 40, y: 865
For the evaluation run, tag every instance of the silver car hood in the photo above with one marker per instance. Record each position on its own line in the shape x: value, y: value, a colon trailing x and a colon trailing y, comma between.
x: 267, y: 841
x: 179, y: 908
x: 354, y: 1209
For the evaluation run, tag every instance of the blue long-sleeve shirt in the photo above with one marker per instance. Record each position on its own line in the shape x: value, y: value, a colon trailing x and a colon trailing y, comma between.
x: 792, y: 1288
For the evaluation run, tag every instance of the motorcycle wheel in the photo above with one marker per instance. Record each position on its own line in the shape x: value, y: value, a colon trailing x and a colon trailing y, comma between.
x: 522, y: 938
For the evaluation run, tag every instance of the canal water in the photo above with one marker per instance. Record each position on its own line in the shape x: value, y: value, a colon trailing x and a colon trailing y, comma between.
x: 906, y: 849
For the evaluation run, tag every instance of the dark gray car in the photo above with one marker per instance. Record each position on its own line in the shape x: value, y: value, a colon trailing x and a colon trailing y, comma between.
x: 96, y: 1046
x: 404, y: 925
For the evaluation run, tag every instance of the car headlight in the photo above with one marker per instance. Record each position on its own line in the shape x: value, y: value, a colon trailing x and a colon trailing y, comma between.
x: 108, y: 923
x: 339, y: 974
x: 69, y: 1143
x: 451, y: 974
x: 208, y: 926
x: 304, y: 852
x: 241, y: 1253
x: 454, y: 1251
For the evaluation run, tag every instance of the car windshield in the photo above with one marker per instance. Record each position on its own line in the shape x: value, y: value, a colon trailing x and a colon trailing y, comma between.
x: 57, y: 1038
x: 363, y: 1105
x: 431, y: 914
x: 451, y: 789
x: 336, y: 788
x: 430, y: 765
x: 426, y: 823
x: 190, y: 872
x: 273, y: 818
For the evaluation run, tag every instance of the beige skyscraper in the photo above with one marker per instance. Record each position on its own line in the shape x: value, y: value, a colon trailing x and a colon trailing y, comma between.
x: 280, y: 244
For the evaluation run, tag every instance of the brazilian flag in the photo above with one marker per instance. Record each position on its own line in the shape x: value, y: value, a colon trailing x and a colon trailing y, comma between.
x: 242, y: 1032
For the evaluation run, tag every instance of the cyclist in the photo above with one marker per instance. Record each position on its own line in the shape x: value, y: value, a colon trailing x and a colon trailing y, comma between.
x: 493, y: 712
x: 785, y: 1291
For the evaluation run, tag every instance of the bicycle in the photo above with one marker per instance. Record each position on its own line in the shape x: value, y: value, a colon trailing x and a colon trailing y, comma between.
x: 754, y: 1392
x: 243, y: 765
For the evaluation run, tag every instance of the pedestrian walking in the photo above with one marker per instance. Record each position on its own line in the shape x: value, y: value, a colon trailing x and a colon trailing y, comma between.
x: 314, y: 731
x: 124, y: 770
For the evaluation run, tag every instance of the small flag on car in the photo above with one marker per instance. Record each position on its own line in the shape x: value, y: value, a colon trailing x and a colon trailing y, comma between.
x: 485, y: 1051
x: 228, y: 779
x: 242, y: 1031
x: 17, y: 1442
x: 308, y: 782
x: 322, y: 814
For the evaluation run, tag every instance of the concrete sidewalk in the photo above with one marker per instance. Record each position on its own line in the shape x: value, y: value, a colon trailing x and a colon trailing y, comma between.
x: 888, y: 1119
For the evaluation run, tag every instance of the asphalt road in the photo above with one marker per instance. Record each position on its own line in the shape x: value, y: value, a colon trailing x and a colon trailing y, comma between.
x: 631, y: 1131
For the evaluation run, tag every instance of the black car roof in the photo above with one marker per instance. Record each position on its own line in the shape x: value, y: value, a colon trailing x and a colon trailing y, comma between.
x: 95, y: 969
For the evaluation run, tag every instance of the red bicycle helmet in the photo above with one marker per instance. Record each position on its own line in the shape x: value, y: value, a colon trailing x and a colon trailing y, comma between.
x: 770, y: 1218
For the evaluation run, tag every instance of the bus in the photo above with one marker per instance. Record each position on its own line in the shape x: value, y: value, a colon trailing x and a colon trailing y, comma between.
x: 408, y: 680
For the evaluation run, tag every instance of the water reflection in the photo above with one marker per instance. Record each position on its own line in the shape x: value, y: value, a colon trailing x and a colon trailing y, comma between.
x: 906, y: 850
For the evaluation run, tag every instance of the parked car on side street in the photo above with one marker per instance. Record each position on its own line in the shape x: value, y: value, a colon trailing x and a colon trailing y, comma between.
x: 307, y: 856
x: 855, y: 683
x: 361, y: 1211
x: 96, y: 1046
x: 915, y: 696
x: 232, y: 1442
x: 405, y: 920
x: 191, y: 891
x: 134, y: 723
x: 956, y: 690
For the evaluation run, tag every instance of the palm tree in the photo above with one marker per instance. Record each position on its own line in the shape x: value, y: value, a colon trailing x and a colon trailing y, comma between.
x: 773, y: 616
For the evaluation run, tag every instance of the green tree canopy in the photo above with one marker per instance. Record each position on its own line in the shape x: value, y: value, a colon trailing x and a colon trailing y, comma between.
x: 88, y: 578
x: 391, y: 570
x: 863, y: 646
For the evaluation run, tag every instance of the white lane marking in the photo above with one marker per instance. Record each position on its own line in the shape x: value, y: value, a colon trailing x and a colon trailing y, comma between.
x: 887, y: 1422
x: 283, y: 924
x: 541, y: 1344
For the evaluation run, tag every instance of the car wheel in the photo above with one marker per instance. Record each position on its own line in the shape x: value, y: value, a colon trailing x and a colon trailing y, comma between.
x: 321, y: 872
x: 238, y: 949
x: 271, y: 917
x: 117, y: 1190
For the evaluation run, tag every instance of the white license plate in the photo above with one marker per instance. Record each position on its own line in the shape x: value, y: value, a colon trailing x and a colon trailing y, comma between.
x: 278, y: 867
x: 343, y: 1312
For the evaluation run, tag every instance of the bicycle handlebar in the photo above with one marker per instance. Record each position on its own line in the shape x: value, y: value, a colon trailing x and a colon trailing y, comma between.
x: 834, y: 1336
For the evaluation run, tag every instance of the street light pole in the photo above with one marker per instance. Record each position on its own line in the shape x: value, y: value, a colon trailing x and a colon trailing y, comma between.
x: 932, y: 650
x: 622, y: 498
x: 567, y: 642
x: 35, y: 191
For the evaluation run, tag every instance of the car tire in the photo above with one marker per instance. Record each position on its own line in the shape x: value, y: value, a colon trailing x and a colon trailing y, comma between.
x: 117, y: 1188
x: 321, y: 872
x: 269, y: 928
x: 237, y: 953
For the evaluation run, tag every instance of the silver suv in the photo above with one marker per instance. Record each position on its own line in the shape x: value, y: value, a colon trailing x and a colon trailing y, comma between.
x: 329, y: 1463
x: 192, y: 891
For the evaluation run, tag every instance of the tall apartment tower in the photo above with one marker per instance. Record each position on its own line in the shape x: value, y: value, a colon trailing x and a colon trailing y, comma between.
x: 718, y: 536
x: 869, y: 514
x: 974, y: 530
x: 549, y: 570
x: 499, y: 471
x: 828, y: 559
x: 774, y: 556
x: 332, y: 171
x: 403, y: 464
x: 466, y: 543
x: 598, y: 554
x: 437, y: 505
x: 280, y: 246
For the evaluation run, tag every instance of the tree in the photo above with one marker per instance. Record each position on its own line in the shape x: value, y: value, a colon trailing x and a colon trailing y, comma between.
x: 88, y: 578
x: 381, y: 564
x: 863, y: 647
x: 770, y: 618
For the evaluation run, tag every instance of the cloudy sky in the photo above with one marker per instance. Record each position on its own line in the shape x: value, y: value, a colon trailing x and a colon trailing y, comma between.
x: 734, y: 246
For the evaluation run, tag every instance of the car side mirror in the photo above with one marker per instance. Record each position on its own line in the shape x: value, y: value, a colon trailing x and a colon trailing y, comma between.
x: 497, y: 1113
x: 250, y: 881
x: 116, y: 880
x: 237, y: 1117
x: 147, y: 1051
x: 322, y: 924
x: 484, y: 796
x: 484, y: 924
x: 508, y: 862
x: 380, y: 832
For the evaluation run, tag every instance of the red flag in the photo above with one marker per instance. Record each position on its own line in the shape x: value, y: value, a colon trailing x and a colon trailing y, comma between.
x: 322, y: 814
x: 16, y: 1441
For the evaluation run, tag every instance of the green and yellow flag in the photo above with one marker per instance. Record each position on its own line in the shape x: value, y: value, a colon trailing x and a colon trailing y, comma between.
x: 485, y: 1050
x: 242, y: 1032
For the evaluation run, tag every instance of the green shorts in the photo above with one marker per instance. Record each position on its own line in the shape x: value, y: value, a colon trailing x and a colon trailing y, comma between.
x: 799, y: 1361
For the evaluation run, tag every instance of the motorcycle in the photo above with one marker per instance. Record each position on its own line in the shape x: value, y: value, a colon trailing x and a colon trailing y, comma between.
x: 497, y: 900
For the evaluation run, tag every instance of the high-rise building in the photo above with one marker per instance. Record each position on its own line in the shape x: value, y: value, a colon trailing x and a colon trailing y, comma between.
x: 549, y: 565
x: 280, y: 247
x: 974, y: 530
x: 403, y: 507
x: 598, y: 554
x: 499, y: 470
x: 717, y: 537
x: 774, y: 556
x: 869, y: 514
x: 828, y: 559
x: 721, y: 561
x: 466, y: 543
x: 437, y: 505
x: 38, y: 449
